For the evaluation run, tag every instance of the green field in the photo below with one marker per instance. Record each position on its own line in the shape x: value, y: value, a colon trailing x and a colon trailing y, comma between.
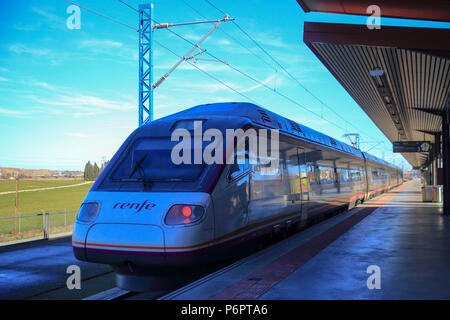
x: 31, y: 202
x: 10, y: 185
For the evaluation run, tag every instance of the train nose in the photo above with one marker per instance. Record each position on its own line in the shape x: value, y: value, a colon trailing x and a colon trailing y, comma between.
x: 139, y: 227
x: 135, y: 243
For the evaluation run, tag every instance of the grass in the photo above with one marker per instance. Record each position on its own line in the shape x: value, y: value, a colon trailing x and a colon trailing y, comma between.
x: 10, y: 185
x: 37, y: 201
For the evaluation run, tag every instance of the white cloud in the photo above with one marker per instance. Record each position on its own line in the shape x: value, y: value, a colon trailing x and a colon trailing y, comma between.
x: 12, y: 113
x: 59, y: 100
x: 45, y: 85
x: 92, y: 47
x: 50, y: 16
x: 3, y: 79
x: 192, y: 37
x: 98, y: 43
x: 24, y: 27
x: 209, y: 87
x: 84, y: 100
x: 206, y: 66
x: 265, y: 82
x: 78, y: 135
x: 224, y: 42
x: 21, y: 48
x: 79, y: 105
x: 214, y: 87
x: 271, y: 39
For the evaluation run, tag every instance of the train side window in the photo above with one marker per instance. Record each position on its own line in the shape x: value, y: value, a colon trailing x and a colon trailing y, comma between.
x: 356, y: 175
x: 316, y: 174
x: 343, y: 175
x: 327, y: 175
x: 374, y: 175
x: 311, y: 174
x: 238, y: 168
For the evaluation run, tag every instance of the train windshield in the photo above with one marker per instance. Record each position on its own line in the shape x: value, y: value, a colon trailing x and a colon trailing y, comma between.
x: 151, y: 160
x: 147, y: 165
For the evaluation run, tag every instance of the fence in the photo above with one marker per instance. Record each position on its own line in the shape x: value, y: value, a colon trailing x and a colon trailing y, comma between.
x: 36, y: 225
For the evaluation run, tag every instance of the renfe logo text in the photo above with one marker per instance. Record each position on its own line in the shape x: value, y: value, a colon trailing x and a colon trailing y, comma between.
x: 138, y: 206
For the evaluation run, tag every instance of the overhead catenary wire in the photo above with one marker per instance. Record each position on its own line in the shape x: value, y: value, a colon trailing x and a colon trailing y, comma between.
x: 213, y: 77
x: 131, y: 7
x: 262, y: 84
x: 217, y: 59
x: 284, y: 69
x: 187, y: 56
x: 231, y: 37
x: 205, y: 72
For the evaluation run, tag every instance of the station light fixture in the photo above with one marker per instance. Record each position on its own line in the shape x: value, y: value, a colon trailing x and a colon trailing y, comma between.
x: 379, y: 78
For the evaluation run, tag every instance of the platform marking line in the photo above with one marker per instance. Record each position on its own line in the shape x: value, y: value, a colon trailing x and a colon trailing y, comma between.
x: 263, y: 279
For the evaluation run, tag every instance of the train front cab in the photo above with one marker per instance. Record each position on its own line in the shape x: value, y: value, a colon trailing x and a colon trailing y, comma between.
x: 146, y: 211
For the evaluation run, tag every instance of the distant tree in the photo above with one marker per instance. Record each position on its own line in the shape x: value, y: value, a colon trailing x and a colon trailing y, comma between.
x: 96, y: 171
x: 91, y: 172
x: 88, y: 171
x: 104, y: 163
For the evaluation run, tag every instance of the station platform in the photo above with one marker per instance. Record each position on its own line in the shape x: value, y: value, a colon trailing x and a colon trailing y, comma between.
x: 407, y: 239
x: 38, y: 270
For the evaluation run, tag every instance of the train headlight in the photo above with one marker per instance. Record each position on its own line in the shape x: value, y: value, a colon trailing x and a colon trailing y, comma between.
x: 88, y: 212
x: 181, y: 214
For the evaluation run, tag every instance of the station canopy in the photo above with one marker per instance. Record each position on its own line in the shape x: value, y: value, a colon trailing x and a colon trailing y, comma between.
x: 392, y: 73
x: 437, y: 10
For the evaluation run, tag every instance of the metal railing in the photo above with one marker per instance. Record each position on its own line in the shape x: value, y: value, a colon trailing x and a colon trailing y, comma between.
x: 38, y: 225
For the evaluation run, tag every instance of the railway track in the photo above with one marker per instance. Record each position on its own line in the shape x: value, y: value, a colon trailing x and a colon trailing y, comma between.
x: 111, y: 294
x: 120, y: 294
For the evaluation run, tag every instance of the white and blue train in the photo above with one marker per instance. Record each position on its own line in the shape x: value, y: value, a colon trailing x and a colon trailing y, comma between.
x: 149, y: 218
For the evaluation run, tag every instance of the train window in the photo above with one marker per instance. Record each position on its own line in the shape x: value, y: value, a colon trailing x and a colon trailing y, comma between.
x: 327, y: 175
x: 239, y: 166
x: 269, y: 185
x: 236, y: 170
x: 356, y: 175
x: 145, y: 164
x: 150, y: 159
x: 311, y: 172
x: 343, y: 175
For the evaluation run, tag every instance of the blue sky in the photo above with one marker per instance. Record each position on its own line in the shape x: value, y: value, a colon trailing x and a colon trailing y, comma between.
x: 68, y: 96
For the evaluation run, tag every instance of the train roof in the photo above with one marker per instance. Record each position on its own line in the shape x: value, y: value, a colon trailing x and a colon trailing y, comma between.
x: 270, y: 119
x: 378, y: 160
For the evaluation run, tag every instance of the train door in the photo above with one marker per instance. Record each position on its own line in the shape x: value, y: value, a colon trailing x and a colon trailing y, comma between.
x: 231, y: 199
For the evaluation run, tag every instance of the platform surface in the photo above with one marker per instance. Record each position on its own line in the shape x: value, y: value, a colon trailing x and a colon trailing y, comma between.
x: 407, y: 239
x: 37, y: 270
